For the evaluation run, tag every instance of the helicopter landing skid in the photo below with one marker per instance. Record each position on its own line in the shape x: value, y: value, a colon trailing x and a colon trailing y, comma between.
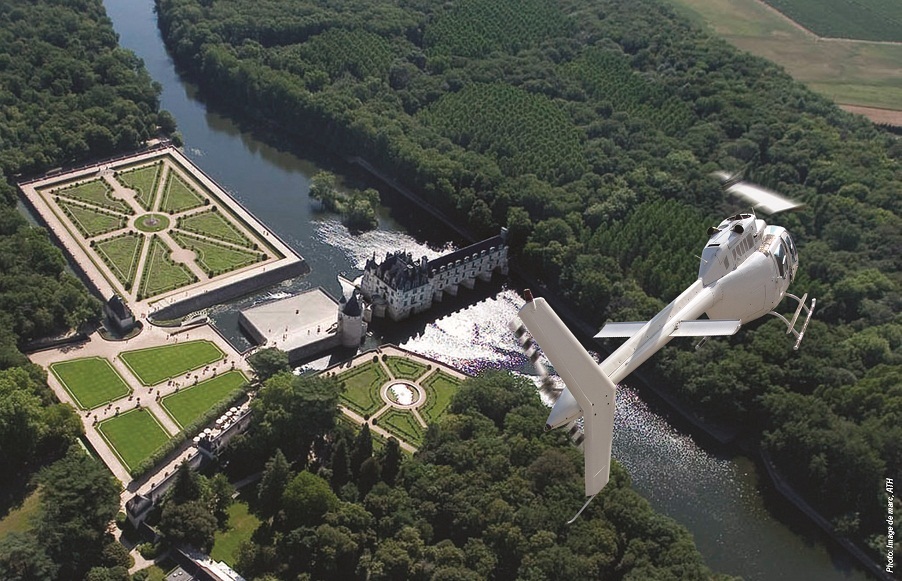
x: 790, y: 325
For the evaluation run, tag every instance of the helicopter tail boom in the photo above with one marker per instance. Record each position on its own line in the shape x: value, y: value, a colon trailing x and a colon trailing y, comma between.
x: 593, y: 390
x: 688, y: 328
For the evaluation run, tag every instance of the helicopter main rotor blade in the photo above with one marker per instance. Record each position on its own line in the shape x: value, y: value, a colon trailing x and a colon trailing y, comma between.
x: 770, y: 202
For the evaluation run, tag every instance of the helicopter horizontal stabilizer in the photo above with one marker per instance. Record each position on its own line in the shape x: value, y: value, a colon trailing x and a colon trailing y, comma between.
x: 694, y: 328
x: 593, y: 390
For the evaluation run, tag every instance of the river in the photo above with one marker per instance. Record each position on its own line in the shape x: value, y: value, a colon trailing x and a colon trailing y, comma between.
x: 716, y: 497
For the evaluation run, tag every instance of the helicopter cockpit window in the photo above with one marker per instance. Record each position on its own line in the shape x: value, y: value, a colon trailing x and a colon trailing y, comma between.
x: 780, y: 257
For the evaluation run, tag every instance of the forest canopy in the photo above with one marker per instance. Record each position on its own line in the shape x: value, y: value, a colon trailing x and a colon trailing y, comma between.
x: 589, y: 128
x: 69, y: 94
x: 486, y: 497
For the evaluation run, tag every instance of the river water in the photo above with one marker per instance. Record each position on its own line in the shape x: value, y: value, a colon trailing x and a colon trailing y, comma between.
x: 716, y: 497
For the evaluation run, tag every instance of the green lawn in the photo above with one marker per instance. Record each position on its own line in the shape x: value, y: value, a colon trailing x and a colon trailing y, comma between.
x: 122, y: 254
x: 19, y: 519
x: 96, y: 192
x: 213, y: 224
x: 403, y: 425
x: 143, y: 180
x: 133, y: 435
x: 362, y: 385
x: 155, y: 364
x: 213, y: 258
x: 92, y: 222
x: 242, y: 525
x: 90, y: 381
x: 404, y: 368
x: 162, y: 274
x: 179, y: 196
x: 440, y: 387
x: 189, y: 404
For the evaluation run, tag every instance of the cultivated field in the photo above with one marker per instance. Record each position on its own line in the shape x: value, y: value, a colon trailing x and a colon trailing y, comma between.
x: 878, y: 20
x: 91, y: 381
x: 156, y: 364
x: 849, y: 72
x: 133, y: 435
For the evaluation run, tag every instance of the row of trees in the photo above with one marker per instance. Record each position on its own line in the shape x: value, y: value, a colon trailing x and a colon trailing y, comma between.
x: 655, y: 105
x: 486, y: 497
x: 69, y: 94
x: 357, y: 208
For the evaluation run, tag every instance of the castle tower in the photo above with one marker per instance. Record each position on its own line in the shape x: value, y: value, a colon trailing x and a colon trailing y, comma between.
x: 350, y: 321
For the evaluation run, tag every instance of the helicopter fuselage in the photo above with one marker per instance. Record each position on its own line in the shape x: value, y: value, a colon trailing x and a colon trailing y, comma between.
x: 746, y: 269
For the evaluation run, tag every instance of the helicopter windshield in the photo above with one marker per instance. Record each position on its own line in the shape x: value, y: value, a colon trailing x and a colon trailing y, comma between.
x: 780, y: 256
x: 787, y: 256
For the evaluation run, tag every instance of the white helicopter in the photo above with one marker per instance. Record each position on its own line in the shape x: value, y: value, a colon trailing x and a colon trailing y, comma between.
x: 746, y: 268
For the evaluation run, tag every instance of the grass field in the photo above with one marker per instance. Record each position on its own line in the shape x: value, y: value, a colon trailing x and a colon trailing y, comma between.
x: 143, y: 180
x: 213, y: 258
x: 91, y: 222
x: 403, y: 425
x: 161, y: 274
x: 179, y: 196
x: 242, y: 525
x: 134, y: 435
x: 121, y: 254
x: 849, y: 72
x: 91, y: 381
x: 362, y: 385
x: 213, y: 224
x: 96, y: 192
x: 404, y: 368
x: 155, y: 364
x: 19, y: 519
x: 189, y: 404
x: 440, y: 388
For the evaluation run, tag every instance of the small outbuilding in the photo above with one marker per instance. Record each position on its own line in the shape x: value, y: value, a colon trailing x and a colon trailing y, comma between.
x: 118, y: 314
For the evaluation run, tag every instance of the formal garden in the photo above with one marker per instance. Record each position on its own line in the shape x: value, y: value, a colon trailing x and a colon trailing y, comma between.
x: 156, y: 364
x: 157, y: 214
x: 185, y: 406
x: 400, y: 394
x: 133, y: 435
x: 91, y: 381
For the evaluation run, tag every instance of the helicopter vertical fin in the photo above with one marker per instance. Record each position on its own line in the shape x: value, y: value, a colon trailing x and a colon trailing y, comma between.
x: 593, y: 390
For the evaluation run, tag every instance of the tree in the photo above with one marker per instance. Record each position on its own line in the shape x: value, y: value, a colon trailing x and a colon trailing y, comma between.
x: 79, y: 498
x: 391, y: 460
x: 322, y: 189
x: 306, y: 499
x: 341, y: 466
x: 363, y: 449
x: 276, y: 476
x: 294, y: 411
x: 370, y: 473
x: 190, y: 523
x: 22, y: 558
x: 268, y: 362
x: 220, y: 493
x: 187, y: 486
